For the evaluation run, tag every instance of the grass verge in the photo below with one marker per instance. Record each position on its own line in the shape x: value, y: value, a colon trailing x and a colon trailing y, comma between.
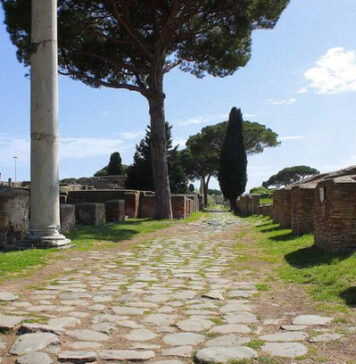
x: 327, y: 277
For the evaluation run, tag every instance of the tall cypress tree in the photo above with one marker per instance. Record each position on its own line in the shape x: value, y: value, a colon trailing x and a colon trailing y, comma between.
x: 233, y: 160
x: 115, y: 165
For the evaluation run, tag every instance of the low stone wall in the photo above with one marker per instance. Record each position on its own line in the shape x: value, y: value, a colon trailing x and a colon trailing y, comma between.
x: 14, y: 214
x: 302, y: 209
x: 244, y: 205
x: 115, y: 210
x: 335, y: 214
x: 267, y: 210
x: 254, y: 203
x: 131, y: 198
x: 90, y: 213
x: 180, y: 206
x: 147, y: 206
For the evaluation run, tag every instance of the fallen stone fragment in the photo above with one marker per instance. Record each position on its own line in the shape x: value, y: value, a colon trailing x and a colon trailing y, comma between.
x: 134, y: 355
x: 182, y: 339
x: 214, y: 295
x: 325, y: 338
x: 220, y: 354
x: 182, y: 351
x: 287, y: 350
x: 9, y: 322
x: 194, y: 325
x: 87, y: 335
x: 77, y: 357
x: 311, y: 320
x: 284, y: 336
x: 8, y: 297
x: 228, y: 340
x: 34, y: 358
x: 33, y: 342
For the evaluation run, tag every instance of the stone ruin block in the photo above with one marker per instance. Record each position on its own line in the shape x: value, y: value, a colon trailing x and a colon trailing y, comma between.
x: 335, y: 214
x: 302, y: 213
x: 14, y: 214
x: 180, y: 207
x: 90, y: 213
x: 267, y: 210
x: 147, y: 206
x: 276, y: 206
x: 285, y: 208
x: 63, y: 197
x: 132, y: 203
x: 195, y: 202
x: 67, y: 214
x: 244, y: 205
x: 255, y: 202
x: 115, y: 210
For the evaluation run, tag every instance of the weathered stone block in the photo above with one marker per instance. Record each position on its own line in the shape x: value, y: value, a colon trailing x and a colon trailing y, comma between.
x: 285, y: 209
x: 90, y: 213
x: 335, y: 214
x: 67, y: 213
x: 302, y: 213
x: 132, y: 203
x: 148, y: 206
x: 115, y: 210
x: 14, y: 214
x: 180, y: 206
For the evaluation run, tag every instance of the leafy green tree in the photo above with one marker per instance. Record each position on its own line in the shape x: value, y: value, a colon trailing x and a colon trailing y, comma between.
x: 289, y: 175
x: 201, y: 158
x: 140, y: 175
x: 233, y: 161
x: 114, y: 168
x: 131, y: 44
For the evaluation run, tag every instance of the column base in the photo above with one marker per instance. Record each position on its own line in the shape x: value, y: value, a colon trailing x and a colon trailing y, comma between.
x: 38, y: 240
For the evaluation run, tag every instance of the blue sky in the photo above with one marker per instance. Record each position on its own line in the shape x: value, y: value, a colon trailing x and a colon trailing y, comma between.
x: 301, y: 82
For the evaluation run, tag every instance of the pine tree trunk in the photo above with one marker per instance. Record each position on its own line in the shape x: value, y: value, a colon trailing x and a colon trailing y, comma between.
x: 159, y: 153
x: 233, y: 205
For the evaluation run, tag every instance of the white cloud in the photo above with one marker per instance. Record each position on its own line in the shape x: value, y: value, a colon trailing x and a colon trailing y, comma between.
x: 180, y: 141
x: 282, y: 102
x: 132, y: 134
x: 302, y: 90
x: 335, y: 72
x: 291, y: 137
x: 69, y: 148
x: 203, y: 119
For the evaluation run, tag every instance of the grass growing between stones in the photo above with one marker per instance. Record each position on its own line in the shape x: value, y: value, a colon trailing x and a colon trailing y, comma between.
x: 325, y: 276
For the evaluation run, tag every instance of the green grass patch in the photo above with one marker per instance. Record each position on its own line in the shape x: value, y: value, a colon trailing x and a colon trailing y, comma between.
x: 327, y: 277
x: 18, y: 262
x: 262, y: 287
x: 255, y: 344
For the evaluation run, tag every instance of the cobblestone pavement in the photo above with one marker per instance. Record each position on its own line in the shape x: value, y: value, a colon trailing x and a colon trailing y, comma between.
x: 166, y: 301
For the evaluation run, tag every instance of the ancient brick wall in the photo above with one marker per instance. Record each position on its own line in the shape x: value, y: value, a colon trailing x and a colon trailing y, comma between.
x: 147, y: 206
x: 276, y: 206
x: 255, y: 202
x: 115, y: 210
x: 335, y: 214
x: 302, y: 210
x: 180, y: 206
x: 244, y: 205
x: 14, y: 214
x: 267, y: 210
x: 285, y: 213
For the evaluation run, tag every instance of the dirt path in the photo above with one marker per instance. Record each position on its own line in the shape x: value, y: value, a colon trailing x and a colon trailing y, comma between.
x: 181, y: 296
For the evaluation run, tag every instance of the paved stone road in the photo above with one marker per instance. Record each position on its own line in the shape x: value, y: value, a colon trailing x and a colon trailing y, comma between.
x: 165, y: 301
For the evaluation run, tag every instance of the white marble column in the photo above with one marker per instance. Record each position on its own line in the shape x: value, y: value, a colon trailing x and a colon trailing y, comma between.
x: 44, y: 216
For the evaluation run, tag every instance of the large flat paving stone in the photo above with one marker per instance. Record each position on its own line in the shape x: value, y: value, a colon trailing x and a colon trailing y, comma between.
x: 311, y: 320
x: 323, y: 338
x: 34, y: 358
x: 230, y: 329
x: 182, y: 351
x: 228, y: 340
x: 183, y: 338
x: 87, y: 335
x: 160, y: 319
x: 8, y: 297
x: 222, y: 354
x: 140, y: 335
x: 241, y: 318
x: 285, y: 336
x: 134, y: 355
x: 9, y: 322
x: 287, y: 350
x: 77, y: 357
x: 27, y: 343
x: 194, y: 325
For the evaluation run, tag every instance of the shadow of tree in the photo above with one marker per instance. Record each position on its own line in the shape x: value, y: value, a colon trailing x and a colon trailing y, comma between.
x: 283, y: 237
x: 349, y: 296
x: 272, y: 228
x: 311, y: 257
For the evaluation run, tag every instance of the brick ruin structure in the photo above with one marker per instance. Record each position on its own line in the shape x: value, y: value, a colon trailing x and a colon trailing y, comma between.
x: 335, y: 214
x: 285, y: 214
x: 276, y: 206
x: 14, y: 214
x: 302, y: 212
